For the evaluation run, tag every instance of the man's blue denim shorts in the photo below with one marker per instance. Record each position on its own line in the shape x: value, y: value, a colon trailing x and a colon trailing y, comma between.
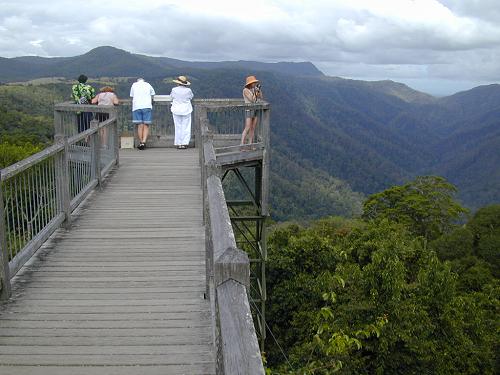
x: 142, y: 116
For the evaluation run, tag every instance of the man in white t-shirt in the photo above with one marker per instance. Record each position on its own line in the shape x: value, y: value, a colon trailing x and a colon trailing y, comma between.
x: 142, y: 93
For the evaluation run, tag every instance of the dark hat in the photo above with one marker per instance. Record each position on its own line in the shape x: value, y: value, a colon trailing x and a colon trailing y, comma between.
x: 82, y: 78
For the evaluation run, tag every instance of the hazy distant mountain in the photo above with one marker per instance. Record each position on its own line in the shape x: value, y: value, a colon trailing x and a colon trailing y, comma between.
x: 328, y: 131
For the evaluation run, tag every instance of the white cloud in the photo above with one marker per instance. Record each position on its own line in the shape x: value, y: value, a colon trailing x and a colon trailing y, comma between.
x: 366, y: 38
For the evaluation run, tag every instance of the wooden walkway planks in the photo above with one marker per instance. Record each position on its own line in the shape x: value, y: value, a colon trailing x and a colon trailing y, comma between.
x: 121, y: 292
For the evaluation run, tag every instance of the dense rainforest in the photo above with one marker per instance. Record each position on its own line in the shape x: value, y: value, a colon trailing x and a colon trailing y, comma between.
x: 26, y: 121
x: 411, y: 287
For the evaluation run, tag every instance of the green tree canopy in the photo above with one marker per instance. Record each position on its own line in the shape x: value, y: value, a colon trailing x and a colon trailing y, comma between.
x: 425, y: 206
x: 373, y: 298
x: 12, y: 153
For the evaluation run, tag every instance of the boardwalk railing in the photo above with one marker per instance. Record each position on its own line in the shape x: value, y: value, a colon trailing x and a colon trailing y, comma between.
x: 38, y: 194
x: 161, y: 130
x: 228, y: 268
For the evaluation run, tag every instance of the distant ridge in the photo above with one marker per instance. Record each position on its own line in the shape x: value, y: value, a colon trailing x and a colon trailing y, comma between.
x: 387, y: 87
x: 114, y: 62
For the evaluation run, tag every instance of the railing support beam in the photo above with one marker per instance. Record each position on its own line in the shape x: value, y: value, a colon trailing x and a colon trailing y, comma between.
x: 96, y: 152
x: 62, y: 180
x: 116, y: 137
x: 5, y: 286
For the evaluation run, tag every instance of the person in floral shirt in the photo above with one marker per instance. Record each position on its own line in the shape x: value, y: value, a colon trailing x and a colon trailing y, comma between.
x: 83, y: 94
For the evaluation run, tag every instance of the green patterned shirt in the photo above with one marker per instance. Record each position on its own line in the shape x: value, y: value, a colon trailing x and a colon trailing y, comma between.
x: 82, y: 93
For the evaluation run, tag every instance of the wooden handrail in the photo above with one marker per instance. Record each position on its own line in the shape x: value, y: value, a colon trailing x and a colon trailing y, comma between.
x: 228, y: 272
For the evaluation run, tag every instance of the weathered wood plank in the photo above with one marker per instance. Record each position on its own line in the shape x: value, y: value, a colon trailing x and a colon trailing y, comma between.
x: 103, y: 360
x: 100, y: 316
x: 38, y: 325
x: 194, y: 369
x: 96, y: 341
x: 104, y: 349
x: 101, y: 332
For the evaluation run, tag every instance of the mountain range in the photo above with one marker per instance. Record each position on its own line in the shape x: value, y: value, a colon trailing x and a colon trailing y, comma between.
x: 334, y: 140
x: 114, y: 62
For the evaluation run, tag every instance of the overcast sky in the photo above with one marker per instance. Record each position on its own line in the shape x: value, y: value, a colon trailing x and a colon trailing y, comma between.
x: 437, y: 46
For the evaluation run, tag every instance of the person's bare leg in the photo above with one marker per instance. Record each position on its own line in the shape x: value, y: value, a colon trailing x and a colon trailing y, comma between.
x: 145, y: 133
x: 252, y: 129
x: 139, y: 132
x: 248, y: 125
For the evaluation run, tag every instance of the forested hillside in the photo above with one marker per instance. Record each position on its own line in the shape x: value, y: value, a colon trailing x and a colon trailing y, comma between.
x: 26, y: 122
x: 298, y: 191
x: 402, y: 291
x: 348, y: 138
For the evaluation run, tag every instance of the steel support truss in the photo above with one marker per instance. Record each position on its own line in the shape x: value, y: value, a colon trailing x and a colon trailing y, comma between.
x: 249, y: 226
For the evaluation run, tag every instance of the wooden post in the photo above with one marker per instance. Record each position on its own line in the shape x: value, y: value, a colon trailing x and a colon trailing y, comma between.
x: 198, y: 142
x: 266, y: 138
x: 116, y: 136
x: 209, y: 260
x: 5, y: 286
x: 239, y: 348
x: 116, y: 140
x: 262, y: 179
x: 95, y: 147
x: 62, y: 180
x: 58, y: 125
x: 208, y: 169
x: 200, y: 122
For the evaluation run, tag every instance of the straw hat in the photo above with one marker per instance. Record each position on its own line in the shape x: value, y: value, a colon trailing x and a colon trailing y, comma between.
x: 182, y: 80
x: 250, y: 80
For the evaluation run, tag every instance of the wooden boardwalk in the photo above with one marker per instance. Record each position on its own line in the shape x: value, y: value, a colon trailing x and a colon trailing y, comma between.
x: 121, y: 292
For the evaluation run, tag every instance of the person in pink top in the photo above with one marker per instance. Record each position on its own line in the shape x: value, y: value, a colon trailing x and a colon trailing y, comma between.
x: 107, y: 97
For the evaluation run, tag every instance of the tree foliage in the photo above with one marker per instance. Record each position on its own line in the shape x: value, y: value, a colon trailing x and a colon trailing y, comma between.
x: 404, y: 291
x: 12, y: 153
x: 425, y: 206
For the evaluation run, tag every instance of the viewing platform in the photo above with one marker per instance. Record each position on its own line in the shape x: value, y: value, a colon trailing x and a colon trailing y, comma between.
x: 137, y: 262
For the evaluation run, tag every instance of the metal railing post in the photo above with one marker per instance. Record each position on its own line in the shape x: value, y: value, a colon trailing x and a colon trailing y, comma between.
x: 5, y: 286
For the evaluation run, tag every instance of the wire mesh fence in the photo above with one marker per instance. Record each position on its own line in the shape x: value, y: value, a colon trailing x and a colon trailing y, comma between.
x: 231, y: 120
x: 162, y: 124
x: 30, y: 203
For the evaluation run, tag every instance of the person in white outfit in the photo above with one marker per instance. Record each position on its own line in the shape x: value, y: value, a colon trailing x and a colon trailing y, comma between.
x: 142, y: 107
x: 181, y: 111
